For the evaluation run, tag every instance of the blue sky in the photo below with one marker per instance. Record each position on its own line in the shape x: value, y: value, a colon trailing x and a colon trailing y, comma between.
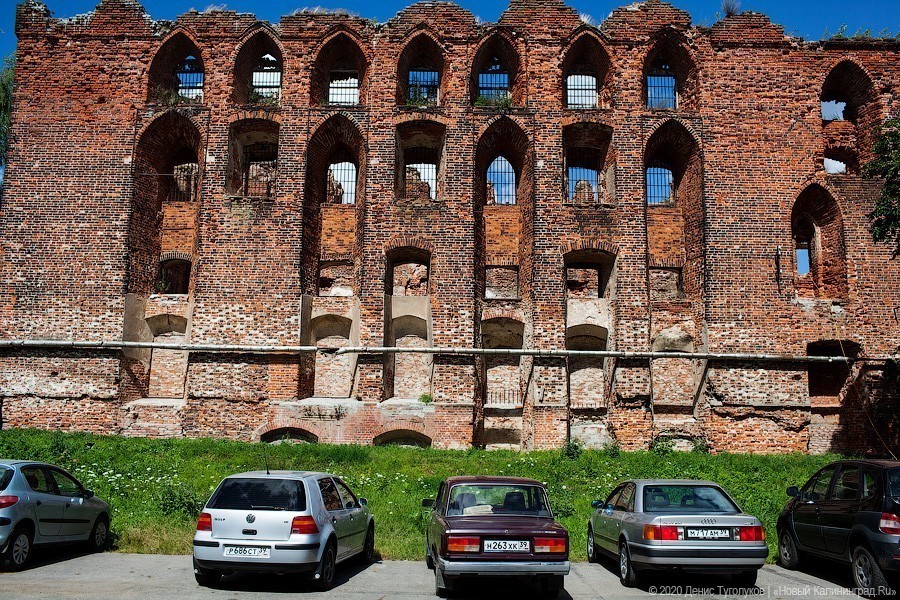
x: 805, y: 18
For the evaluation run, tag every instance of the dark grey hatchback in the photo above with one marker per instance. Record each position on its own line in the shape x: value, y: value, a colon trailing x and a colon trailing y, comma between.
x: 849, y: 511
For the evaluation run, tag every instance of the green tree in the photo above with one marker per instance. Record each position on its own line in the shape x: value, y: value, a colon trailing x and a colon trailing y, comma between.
x: 6, y: 101
x: 885, y: 218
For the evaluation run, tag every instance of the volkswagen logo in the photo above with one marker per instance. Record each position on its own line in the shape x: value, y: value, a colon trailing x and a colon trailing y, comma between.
x: 251, y: 518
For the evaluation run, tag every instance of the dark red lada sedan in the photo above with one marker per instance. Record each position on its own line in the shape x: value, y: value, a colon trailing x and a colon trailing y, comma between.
x: 495, y: 526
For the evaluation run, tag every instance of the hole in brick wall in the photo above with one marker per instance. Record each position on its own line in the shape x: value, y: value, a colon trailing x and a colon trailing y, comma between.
x: 586, y: 375
x: 419, y: 72
x: 336, y: 279
x: 503, y: 165
x: 339, y: 73
x: 826, y: 380
x: 502, y: 377
x: 849, y: 95
x: 666, y: 284
x: 289, y: 435
x: 501, y: 283
x: 257, y: 71
x: 588, y: 273
x: 673, y: 170
x: 403, y: 437
x: 176, y: 73
x: 409, y: 373
x: 407, y: 272
x: 841, y: 161
x: 253, y: 158
x: 587, y: 146
x: 495, y: 74
x: 333, y: 372
x: 585, y: 71
x: 167, y: 367
x: 670, y: 75
x: 817, y: 231
x: 420, y: 153
x: 174, y: 277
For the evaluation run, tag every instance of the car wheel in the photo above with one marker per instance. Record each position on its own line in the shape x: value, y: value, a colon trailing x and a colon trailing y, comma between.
x: 867, y: 575
x: 18, y: 551
x: 627, y: 574
x: 326, y: 569
x: 788, y: 555
x: 206, y: 577
x: 368, y: 553
x: 99, y: 534
x: 443, y: 585
x: 745, y: 579
x: 592, y: 553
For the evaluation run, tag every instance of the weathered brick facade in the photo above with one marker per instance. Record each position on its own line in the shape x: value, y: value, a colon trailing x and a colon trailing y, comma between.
x: 119, y: 193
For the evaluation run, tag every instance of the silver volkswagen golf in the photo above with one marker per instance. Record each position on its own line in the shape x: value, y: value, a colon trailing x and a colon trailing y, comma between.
x: 41, y: 504
x: 282, y: 522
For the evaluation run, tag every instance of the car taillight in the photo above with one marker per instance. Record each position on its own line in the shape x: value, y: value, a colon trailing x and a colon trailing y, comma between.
x: 663, y: 532
x: 204, y: 523
x: 889, y: 523
x: 461, y: 543
x: 752, y: 533
x: 553, y: 545
x: 304, y: 525
x: 6, y: 501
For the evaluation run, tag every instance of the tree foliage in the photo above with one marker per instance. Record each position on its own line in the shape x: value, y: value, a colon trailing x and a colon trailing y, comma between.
x: 6, y: 101
x: 885, y: 218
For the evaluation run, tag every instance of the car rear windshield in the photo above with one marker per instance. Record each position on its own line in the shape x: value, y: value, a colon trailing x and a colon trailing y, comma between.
x: 687, y: 499
x: 893, y: 481
x: 493, y: 499
x: 6, y: 475
x: 259, y: 494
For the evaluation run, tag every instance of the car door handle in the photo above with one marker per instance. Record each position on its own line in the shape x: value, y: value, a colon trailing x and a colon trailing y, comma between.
x: 68, y: 505
x: 351, y: 517
x: 333, y: 520
x: 38, y: 503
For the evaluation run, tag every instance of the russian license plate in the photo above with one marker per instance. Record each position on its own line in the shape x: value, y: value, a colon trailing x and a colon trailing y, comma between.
x: 247, y: 551
x: 707, y: 534
x: 506, y: 546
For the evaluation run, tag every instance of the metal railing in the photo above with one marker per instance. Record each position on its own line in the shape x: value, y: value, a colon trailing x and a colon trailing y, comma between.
x: 503, y: 399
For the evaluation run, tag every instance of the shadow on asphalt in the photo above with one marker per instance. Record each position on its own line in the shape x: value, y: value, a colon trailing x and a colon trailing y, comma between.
x: 50, y: 555
x: 498, y: 587
x: 284, y: 584
x: 832, y: 571
x: 683, y: 584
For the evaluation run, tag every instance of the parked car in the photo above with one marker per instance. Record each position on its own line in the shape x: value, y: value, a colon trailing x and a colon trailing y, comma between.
x: 849, y: 511
x: 282, y: 522
x: 676, y: 524
x: 487, y: 526
x: 42, y: 504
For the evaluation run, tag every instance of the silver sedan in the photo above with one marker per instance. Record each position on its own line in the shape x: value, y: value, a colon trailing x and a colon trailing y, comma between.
x: 41, y: 504
x: 282, y: 522
x: 676, y: 524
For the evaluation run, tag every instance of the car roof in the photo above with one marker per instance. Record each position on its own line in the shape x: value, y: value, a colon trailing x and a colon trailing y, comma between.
x: 875, y: 462
x: 279, y: 474
x: 492, y: 479
x: 646, y: 482
x: 18, y: 462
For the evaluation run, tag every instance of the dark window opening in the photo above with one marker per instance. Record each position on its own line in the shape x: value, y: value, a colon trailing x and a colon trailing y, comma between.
x: 189, y: 73
x: 341, y: 184
x: 662, y: 87
x: 501, y: 182
x: 827, y: 379
x: 260, y: 168
x: 583, y: 175
x: 421, y: 180
x: 493, y: 82
x: 265, y: 81
x: 424, y: 86
x: 660, y: 184
x: 174, y: 277
x: 581, y: 88
x: 343, y: 86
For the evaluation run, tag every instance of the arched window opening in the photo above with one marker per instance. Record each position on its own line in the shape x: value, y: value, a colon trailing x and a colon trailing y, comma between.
x: 419, y: 155
x: 253, y: 158
x: 493, y: 83
x: 819, y: 250
x: 419, y: 70
x: 424, y: 86
x: 339, y: 73
x: 265, y: 82
x: 804, y: 244
x: 660, y: 183
x: 583, y: 176
x: 341, y: 183
x: 589, y: 171
x: 174, y: 277
x: 289, y: 435
x: 581, y: 88
x: 190, y: 78
x: 403, y: 437
x: 662, y: 87
x: 343, y: 85
x: 501, y: 182
x: 586, y: 69
x: 588, y: 273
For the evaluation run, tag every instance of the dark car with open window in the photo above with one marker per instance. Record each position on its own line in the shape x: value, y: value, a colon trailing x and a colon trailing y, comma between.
x: 849, y: 511
x: 495, y: 526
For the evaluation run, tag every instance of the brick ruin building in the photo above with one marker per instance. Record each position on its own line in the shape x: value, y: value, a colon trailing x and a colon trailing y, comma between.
x: 436, y: 181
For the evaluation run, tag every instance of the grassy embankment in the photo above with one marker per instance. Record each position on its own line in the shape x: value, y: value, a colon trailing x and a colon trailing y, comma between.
x: 156, y: 488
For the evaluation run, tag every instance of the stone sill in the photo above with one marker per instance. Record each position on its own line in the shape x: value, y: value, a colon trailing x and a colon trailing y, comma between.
x: 499, y: 299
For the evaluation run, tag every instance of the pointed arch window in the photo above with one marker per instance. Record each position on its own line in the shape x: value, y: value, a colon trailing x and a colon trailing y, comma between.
x: 662, y: 87
x: 265, y: 80
x: 424, y: 86
x: 189, y: 73
x: 501, y: 182
x: 493, y: 81
x: 581, y: 87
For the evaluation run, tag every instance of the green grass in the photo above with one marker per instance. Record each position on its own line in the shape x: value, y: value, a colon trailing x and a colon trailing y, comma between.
x: 156, y: 488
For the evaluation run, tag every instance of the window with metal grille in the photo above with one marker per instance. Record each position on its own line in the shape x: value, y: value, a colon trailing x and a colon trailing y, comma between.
x: 660, y: 184
x: 181, y: 185
x: 584, y: 184
x: 493, y: 82
x: 189, y: 73
x: 260, y: 170
x: 421, y: 180
x: 341, y: 185
x: 501, y: 182
x: 581, y: 90
x: 424, y: 84
x: 265, y: 82
x: 662, y: 87
x: 343, y: 87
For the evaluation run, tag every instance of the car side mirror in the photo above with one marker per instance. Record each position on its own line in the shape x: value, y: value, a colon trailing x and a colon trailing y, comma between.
x: 598, y: 504
x: 363, y: 502
x: 352, y: 504
x: 428, y: 503
x: 793, y: 492
x: 88, y: 494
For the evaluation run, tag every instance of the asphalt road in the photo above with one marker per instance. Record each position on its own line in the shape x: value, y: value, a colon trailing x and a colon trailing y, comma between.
x: 63, y: 574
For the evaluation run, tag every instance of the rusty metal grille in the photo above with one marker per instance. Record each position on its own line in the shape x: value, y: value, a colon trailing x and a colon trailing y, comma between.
x: 503, y: 399
x: 260, y: 170
x: 581, y: 90
x: 493, y: 82
x: 421, y: 180
x: 660, y: 184
x: 501, y: 182
x: 341, y: 183
x: 265, y: 82
x: 584, y: 185
x: 424, y: 85
x: 343, y: 87
x: 662, y: 88
x: 190, y: 79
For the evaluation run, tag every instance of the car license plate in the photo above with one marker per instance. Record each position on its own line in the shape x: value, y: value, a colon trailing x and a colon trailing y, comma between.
x: 506, y: 546
x: 707, y: 534
x: 247, y: 551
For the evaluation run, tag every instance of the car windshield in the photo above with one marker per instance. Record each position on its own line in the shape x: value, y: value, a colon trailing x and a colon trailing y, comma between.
x: 686, y: 500
x: 893, y: 481
x: 498, y: 499
x: 6, y: 475
x: 259, y: 494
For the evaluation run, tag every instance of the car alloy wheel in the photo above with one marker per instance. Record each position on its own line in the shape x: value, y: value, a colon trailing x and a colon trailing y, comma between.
x: 20, y: 551
x: 591, y: 548
x: 326, y: 569
x: 369, y: 545
x: 627, y: 574
x: 787, y: 552
x: 99, y: 535
x: 862, y: 570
